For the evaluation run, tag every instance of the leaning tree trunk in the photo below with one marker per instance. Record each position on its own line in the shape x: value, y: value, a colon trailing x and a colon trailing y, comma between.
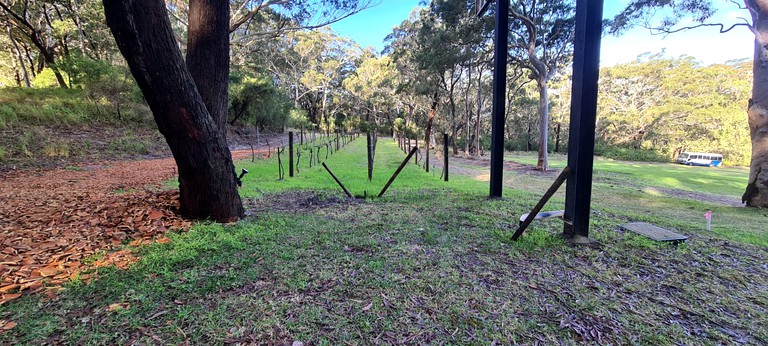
x: 20, y: 57
x: 207, y: 185
x: 208, y: 55
x: 756, y: 194
x: 479, y: 108
x: 543, y: 163
x: 468, y: 112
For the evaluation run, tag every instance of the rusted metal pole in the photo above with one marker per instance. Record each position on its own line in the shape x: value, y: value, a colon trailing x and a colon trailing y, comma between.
x: 337, y: 181
x: 544, y: 199
x: 397, y: 172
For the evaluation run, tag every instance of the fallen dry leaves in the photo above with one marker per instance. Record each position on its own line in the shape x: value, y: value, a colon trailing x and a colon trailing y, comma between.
x: 6, y: 325
x: 118, y: 306
x: 53, y: 220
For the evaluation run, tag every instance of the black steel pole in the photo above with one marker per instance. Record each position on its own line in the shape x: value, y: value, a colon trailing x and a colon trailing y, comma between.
x: 581, y: 145
x: 426, y: 157
x: 290, y: 153
x: 445, y: 156
x: 397, y: 172
x: 417, y: 151
x: 499, y: 97
x: 349, y: 194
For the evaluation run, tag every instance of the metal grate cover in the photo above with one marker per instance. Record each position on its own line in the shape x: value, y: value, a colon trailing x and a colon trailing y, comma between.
x: 653, y: 232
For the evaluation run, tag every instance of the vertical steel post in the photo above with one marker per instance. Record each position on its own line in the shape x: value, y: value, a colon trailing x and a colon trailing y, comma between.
x: 445, y: 156
x: 290, y: 153
x: 499, y: 96
x: 581, y: 144
x: 417, y: 151
x: 426, y: 157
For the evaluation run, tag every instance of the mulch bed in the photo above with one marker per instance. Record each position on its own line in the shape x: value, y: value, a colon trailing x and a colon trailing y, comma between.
x: 53, y: 222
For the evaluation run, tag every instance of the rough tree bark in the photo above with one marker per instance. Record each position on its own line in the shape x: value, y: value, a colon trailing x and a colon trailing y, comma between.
x: 479, y: 108
x: 208, y: 55
x: 207, y: 184
x: 756, y: 194
x: 543, y: 162
x: 467, y: 111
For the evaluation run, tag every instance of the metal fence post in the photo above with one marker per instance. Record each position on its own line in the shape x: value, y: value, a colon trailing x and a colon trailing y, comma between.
x: 581, y: 145
x: 445, y: 156
x: 290, y: 153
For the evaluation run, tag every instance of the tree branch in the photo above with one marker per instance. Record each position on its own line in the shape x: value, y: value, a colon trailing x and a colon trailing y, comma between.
x: 723, y: 29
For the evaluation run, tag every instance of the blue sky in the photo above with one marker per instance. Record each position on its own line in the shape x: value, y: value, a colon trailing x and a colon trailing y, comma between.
x: 370, y: 27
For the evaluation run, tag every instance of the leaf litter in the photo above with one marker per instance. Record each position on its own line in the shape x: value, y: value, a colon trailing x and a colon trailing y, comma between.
x: 56, y: 225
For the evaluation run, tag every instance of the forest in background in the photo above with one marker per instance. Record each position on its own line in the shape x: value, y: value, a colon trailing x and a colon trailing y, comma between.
x: 60, y: 68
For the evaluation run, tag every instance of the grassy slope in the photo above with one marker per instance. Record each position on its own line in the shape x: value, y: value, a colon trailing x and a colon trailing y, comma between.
x: 51, y: 125
x: 429, y: 262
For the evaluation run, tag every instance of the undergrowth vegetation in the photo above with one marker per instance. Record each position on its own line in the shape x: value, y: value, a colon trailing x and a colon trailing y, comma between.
x: 104, y: 119
x: 429, y: 262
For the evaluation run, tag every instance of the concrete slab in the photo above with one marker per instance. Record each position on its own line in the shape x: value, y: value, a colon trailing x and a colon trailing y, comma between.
x: 653, y: 232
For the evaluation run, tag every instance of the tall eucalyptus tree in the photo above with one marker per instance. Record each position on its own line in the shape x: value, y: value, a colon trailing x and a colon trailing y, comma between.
x: 541, y: 36
x: 701, y: 12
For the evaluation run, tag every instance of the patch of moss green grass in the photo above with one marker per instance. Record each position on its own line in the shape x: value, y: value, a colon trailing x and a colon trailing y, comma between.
x: 430, y: 262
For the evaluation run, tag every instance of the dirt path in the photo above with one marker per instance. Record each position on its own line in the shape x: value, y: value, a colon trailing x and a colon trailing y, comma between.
x: 53, y: 220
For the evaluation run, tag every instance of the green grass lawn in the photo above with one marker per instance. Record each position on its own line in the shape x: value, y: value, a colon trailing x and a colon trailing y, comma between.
x: 351, y: 167
x: 726, y: 181
x: 655, y: 193
x: 429, y: 263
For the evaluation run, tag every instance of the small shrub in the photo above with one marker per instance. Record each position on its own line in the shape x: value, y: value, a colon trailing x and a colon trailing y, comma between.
x: 7, y: 116
x: 83, y: 71
x: 298, y: 118
x: 129, y: 144
x: 2, y: 154
x: 626, y: 154
x: 25, y: 142
x: 352, y: 123
x: 56, y: 148
x: 256, y: 101
x: 47, y: 79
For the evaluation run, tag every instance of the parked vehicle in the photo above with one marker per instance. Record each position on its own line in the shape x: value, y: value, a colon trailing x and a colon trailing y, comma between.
x: 700, y: 159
